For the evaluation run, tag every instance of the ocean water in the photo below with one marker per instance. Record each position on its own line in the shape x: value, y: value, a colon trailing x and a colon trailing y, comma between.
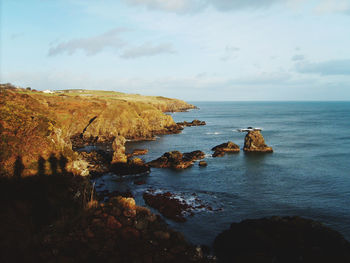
x: 307, y: 175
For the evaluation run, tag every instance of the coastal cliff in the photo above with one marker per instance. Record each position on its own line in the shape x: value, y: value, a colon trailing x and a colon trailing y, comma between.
x: 38, y: 126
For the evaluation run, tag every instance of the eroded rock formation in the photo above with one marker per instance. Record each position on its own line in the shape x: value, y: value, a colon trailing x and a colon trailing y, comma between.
x: 254, y: 142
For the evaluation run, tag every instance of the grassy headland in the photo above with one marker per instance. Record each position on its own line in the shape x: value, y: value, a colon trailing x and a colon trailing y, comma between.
x: 36, y: 125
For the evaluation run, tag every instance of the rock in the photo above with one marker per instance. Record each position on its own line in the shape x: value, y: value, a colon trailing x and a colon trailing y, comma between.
x: 139, y: 182
x: 228, y: 147
x: 193, y: 156
x: 130, y: 233
x: 281, y: 239
x: 254, y: 142
x: 119, y: 150
x: 167, y: 205
x: 113, y: 223
x: 134, y: 166
x: 202, y: 163
x: 127, y: 202
x: 218, y: 154
x: 141, y: 224
x: 162, y: 235
x: 177, y: 160
x: 192, y: 123
x: 137, y: 152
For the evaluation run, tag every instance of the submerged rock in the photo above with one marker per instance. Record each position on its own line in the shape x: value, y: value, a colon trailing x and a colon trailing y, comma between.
x: 254, y: 142
x: 177, y: 160
x: 228, y: 147
x: 281, y: 239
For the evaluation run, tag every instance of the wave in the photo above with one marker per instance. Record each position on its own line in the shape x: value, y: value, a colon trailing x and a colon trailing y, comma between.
x: 213, y: 133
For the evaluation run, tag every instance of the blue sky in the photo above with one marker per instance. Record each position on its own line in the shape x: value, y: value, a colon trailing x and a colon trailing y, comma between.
x: 188, y: 49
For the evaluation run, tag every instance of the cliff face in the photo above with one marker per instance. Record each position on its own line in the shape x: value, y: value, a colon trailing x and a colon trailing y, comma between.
x: 34, y: 124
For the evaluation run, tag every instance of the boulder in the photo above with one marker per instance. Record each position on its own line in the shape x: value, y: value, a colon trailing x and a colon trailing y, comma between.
x: 254, y: 142
x: 227, y: 147
x: 281, y: 239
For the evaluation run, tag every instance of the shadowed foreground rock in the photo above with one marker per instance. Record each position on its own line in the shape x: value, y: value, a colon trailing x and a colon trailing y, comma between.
x: 227, y: 147
x: 254, y: 142
x: 281, y: 239
x: 118, y: 231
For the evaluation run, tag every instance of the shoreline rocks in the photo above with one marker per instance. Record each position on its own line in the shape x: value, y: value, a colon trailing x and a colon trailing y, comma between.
x: 254, y: 142
x: 228, y: 147
x: 281, y: 239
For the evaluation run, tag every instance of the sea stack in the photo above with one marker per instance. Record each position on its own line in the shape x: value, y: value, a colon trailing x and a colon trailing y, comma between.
x: 254, y: 142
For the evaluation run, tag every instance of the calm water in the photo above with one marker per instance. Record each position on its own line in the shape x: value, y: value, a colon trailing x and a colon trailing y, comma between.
x: 307, y: 175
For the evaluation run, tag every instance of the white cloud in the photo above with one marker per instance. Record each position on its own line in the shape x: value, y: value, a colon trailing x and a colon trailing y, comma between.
x: 90, y: 45
x: 147, y: 49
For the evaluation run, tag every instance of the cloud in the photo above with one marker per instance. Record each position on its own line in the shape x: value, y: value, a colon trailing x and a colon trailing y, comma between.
x: 147, y: 49
x: 298, y: 57
x: 334, y: 6
x: 331, y: 67
x: 186, y: 6
x: 229, y: 51
x: 90, y: 45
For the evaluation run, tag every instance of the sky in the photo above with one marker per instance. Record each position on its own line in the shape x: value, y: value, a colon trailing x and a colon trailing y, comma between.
x: 196, y: 50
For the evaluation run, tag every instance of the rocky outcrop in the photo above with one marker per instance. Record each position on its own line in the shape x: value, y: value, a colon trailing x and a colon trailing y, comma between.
x: 177, y: 160
x: 281, y: 239
x: 192, y: 123
x: 227, y: 147
x: 254, y: 142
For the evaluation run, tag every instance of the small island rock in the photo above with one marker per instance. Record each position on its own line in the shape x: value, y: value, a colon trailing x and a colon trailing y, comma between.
x: 254, y: 142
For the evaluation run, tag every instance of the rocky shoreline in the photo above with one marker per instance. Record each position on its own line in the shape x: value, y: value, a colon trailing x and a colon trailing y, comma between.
x: 57, y: 215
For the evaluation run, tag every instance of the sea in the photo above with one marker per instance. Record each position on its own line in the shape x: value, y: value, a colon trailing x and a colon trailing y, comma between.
x: 307, y: 175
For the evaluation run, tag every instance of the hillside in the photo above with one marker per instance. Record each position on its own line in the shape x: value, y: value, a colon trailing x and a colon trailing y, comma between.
x: 36, y: 125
